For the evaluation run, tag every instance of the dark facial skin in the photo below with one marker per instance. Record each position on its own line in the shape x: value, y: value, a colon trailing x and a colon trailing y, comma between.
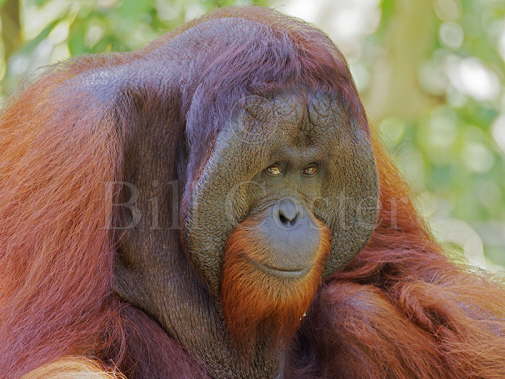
x: 287, y: 147
x: 292, y: 239
x: 158, y: 216
x: 200, y: 154
x: 290, y: 185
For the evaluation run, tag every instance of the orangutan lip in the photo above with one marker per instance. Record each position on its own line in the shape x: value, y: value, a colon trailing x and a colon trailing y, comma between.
x: 279, y: 272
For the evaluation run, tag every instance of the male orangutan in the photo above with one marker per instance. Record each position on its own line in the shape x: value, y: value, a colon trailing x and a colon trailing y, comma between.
x: 216, y: 206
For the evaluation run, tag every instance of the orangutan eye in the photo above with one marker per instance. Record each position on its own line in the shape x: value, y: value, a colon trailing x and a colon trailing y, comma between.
x: 311, y: 170
x: 274, y: 170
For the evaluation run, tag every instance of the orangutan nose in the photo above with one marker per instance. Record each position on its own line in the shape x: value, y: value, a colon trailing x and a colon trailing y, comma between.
x: 287, y: 213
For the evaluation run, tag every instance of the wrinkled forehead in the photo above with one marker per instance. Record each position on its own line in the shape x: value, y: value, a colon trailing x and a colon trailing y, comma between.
x: 298, y: 118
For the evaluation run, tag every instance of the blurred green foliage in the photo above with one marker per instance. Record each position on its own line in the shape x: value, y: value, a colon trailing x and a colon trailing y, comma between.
x: 431, y: 74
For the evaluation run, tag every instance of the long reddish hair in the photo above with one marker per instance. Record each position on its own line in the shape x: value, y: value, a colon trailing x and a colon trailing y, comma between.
x: 254, y: 301
x: 400, y: 309
x: 56, y: 254
x: 56, y: 249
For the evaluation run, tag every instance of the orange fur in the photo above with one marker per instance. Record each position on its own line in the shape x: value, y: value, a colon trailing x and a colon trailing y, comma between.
x: 400, y: 309
x: 255, y: 302
x: 55, y: 249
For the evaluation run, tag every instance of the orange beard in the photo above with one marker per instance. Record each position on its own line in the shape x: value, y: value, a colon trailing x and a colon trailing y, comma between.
x: 258, y: 304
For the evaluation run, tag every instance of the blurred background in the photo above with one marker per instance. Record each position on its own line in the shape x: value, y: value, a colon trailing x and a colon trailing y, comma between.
x: 430, y: 72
